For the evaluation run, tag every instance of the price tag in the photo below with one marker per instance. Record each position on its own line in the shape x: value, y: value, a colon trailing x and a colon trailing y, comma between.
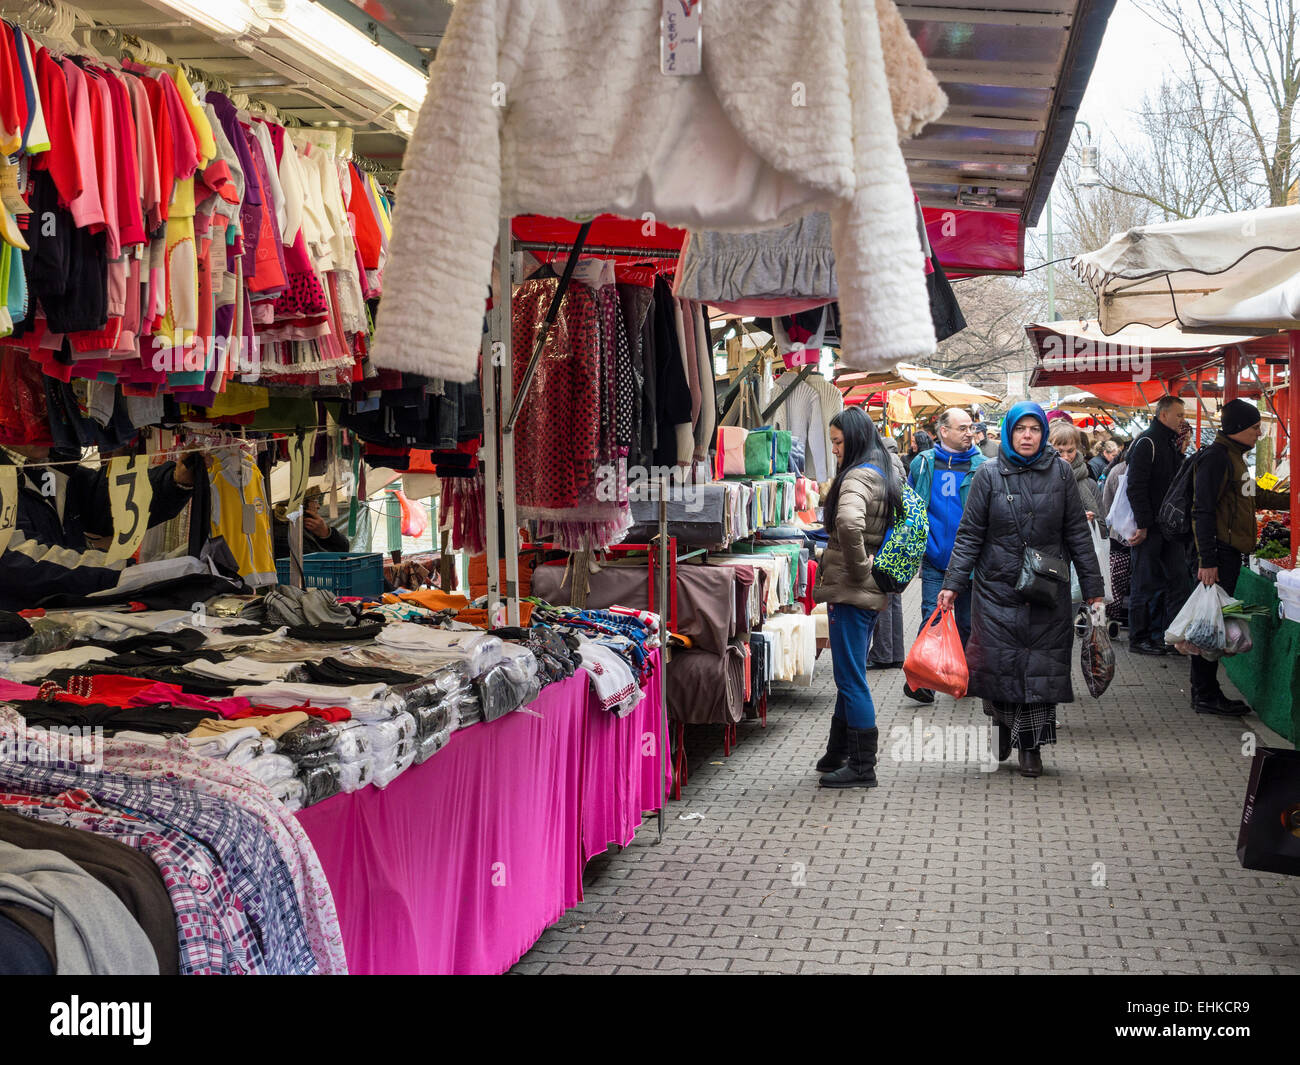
x: 10, y: 193
x: 681, y: 36
x: 1267, y: 482
x: 129, y: 496
x: 300, y: 449
x: 8, y: 504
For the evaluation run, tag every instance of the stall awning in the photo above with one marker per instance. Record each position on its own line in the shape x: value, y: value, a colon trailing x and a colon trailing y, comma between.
x: 1227, y: 272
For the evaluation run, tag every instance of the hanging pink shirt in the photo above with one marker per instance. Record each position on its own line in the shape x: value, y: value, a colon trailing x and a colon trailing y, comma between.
x: 126, y: 153
x: 87, y: 209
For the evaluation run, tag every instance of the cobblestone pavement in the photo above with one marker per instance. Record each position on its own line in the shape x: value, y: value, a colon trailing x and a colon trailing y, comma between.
x: 1120, y: 858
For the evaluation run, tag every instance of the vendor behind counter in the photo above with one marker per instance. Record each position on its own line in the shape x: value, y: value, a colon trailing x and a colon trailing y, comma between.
x: 64, y: 524
x: 316, y: 532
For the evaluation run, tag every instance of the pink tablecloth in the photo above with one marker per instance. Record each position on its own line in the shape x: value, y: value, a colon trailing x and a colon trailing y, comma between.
x: 623, y: 771
x: 461, y: 863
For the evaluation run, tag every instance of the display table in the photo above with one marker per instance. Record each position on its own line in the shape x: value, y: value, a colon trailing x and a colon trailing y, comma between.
x: 461, y: 863
x: 1269, y: 675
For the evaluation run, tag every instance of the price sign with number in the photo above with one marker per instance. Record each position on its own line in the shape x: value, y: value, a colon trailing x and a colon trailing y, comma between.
x: 129, y: 495
x: 8, y: 504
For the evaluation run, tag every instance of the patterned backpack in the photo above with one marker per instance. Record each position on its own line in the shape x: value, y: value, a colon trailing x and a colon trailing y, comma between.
x: 903, y: 547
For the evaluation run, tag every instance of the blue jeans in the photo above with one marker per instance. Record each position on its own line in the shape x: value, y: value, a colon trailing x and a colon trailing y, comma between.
x: 931, y: 586
x: 850, y: 632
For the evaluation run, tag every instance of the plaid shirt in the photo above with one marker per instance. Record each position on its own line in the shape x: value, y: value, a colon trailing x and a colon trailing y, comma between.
x: 624, y: 634
x: 260, y: 883
x: 214, y: 933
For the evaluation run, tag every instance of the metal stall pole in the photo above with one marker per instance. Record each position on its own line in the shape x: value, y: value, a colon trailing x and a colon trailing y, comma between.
x: 505, y: 270
x: 662, y: 600
x: 489, y: 456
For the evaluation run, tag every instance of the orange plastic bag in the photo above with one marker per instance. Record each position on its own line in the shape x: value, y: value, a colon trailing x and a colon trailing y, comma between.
x: 936, y: 660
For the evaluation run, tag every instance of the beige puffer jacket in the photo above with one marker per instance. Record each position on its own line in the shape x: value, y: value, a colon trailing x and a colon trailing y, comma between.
x: 844, y: 575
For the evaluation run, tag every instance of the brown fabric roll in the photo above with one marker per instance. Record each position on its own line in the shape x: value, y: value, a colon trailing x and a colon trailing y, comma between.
x: 706, y: 597
x: 130, y: 875
x: 705, y: 688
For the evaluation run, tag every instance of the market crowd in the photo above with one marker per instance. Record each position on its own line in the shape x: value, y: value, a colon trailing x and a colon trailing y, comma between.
x: 1021, y: 521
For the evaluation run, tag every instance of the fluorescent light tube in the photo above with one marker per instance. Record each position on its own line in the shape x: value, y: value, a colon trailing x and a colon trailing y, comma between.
x: 338, y: 43
x: 229, y: 18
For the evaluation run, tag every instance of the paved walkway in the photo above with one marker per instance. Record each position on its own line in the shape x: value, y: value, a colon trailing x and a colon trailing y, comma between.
x: 1120, y: 858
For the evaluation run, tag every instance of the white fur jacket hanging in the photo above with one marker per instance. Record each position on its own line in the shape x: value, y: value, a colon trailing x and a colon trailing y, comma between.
x: 558, y: 107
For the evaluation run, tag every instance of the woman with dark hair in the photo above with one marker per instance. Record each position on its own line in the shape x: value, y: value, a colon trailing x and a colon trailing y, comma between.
x: 1019, y: 651
x: 865, y: 498
x: 921, y: 441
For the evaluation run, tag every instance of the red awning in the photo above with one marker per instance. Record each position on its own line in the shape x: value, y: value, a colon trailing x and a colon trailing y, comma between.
x: 976, y: 242
x: 967, y: 242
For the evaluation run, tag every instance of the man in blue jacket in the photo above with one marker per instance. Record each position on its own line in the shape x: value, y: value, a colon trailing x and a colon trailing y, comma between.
x: 942, y: 477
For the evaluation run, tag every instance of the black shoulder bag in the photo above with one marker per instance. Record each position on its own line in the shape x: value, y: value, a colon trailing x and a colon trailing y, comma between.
x: 1041, y: 575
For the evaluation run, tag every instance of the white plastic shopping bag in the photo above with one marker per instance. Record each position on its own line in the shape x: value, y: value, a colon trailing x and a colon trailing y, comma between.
x: 1199, y: 628
x: 1121, y: 517
x: 1101, y: 545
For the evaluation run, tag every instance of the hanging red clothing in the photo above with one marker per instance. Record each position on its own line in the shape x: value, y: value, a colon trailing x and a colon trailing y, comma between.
x: 366, y: 226
x: 61, y: 160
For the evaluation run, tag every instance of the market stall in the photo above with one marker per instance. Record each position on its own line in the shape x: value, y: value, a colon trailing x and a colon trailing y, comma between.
x: 1194, y: 284
x: 320, y: 761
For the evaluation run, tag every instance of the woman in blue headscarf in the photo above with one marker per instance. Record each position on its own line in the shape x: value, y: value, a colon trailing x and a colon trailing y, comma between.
x: 1019, y: 652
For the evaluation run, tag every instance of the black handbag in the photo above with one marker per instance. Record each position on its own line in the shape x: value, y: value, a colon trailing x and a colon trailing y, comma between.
x: 1041, y: 575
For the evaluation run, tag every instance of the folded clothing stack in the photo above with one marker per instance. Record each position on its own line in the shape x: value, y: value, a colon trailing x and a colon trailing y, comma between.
x: 392, y: 747
x: 506, y: 687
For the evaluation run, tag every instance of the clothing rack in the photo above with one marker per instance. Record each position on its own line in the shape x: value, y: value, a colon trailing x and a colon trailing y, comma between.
x: 498, y: 453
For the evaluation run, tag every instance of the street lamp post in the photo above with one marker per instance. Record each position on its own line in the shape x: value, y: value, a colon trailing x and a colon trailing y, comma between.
x: 1088, y: 178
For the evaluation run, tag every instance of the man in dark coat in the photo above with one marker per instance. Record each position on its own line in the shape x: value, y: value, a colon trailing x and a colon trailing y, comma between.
x: 1224, y: 498
x: 1158, y: 587
x: 1019, y: 653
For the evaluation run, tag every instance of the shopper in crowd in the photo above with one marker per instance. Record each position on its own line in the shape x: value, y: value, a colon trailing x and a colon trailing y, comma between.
x: 921, y: 441
x: 989, y: 448
x: 1064, y: 437
x: 1159, y: 578
x: 979, y: 435
x: 942, y: 477
x: 1019, y: 653
x: 1121, y: 556
x: 888, y: 645
x: 1107, y: 451
x: 865, y: 498
x: 316, y: 532
x: 1224, y: 499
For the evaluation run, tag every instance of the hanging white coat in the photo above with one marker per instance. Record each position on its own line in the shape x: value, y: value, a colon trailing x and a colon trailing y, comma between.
x: 558, y: 107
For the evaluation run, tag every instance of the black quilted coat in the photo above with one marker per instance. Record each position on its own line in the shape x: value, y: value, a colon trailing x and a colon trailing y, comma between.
x: 1020, y: 653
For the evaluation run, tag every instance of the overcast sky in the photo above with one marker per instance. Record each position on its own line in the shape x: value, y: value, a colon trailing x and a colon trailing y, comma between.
x: 1135, y: 54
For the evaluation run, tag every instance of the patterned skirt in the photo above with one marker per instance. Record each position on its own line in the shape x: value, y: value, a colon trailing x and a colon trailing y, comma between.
x: 1030, y: 724
x: 1121, y: 568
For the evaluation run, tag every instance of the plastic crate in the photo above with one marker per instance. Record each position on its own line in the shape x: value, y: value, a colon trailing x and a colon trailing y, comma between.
x: 341, y: 572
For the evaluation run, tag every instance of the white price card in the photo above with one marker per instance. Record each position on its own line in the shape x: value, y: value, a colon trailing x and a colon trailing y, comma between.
x: 129, y: 496
x: 681, y: 36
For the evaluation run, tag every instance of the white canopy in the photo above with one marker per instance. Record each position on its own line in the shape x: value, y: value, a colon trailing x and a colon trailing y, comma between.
x: 1228, y: 272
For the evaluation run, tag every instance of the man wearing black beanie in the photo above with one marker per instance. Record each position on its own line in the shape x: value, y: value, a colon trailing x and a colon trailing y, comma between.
x: 1224, y: 498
